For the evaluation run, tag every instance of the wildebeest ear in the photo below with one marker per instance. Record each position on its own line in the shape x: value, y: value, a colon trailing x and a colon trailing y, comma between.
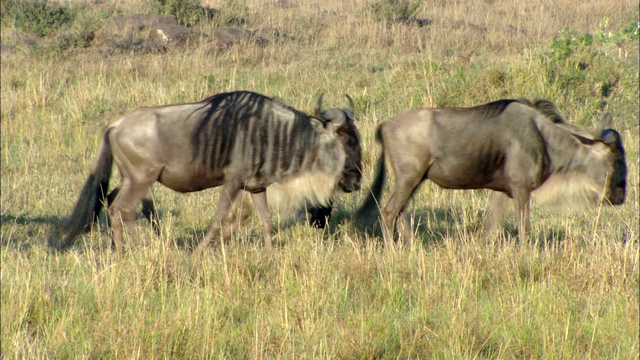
x: 583, y: 139
x: 317, y: 124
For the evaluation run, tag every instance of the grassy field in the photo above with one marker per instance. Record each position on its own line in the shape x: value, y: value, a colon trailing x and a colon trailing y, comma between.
x: 573, y: 294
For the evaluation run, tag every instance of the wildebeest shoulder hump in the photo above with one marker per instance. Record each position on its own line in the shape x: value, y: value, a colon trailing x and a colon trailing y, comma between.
x: 495, y: 108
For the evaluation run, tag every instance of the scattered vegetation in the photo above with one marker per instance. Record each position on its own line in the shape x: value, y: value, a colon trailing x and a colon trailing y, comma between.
x: 392, y: 10
x: 38, y: 17
x: 188, y: 12
x: 571, y: 294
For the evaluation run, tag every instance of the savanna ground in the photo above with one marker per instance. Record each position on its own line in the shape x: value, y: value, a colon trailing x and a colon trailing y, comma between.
x: 571, y: 294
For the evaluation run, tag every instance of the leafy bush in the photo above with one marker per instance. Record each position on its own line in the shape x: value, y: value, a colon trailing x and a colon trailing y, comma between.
x: 632, y: 31
x: 392, y: 10
x: 233, y: 13
x: 188, y: 12
x: 37, y: 17
x: 587, y: 66
x: 81, y: 34
x: 567, y: 42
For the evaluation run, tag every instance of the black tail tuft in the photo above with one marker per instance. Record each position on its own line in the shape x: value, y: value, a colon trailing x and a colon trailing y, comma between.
x: 369, y: 213
x: 92, y: 197
x: 87, y: 208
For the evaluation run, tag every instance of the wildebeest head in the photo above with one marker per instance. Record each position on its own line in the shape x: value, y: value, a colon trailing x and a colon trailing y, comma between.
x: 610, y: 172
x: 347, y: 133
x: 616, y: 189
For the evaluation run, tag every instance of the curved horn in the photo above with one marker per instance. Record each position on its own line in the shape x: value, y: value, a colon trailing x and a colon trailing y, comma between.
x: 318, y: 110
x: 350, y: 102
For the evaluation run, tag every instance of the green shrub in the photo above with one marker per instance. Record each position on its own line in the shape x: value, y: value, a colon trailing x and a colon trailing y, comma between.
x: 565, y: 44
x: 37, y: 17
x: 188, y: 12
x: 632, y: 31
x: 232, y: 13
x: 392, y: 10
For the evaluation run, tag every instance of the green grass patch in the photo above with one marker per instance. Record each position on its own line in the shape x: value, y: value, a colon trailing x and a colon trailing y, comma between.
x: 337, y: 294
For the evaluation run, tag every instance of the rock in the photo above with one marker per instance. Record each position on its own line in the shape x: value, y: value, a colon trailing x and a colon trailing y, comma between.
x: 132, y: 25
x: 159, y: 33
x: 145, y: 33
x: 174, y: 35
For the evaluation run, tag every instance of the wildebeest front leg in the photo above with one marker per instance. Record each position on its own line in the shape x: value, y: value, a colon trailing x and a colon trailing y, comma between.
x: 228, y: 197
x: 497, y: 207
x: 262, y: 208
x: 522, y: 200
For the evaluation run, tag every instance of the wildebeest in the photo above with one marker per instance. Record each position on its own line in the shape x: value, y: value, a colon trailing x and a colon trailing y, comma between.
x: 510, y: 146
x: 240, y: 140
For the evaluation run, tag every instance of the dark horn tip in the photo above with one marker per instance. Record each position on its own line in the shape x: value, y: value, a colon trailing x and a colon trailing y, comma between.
x: 318, y: 109
x: 350, y: 101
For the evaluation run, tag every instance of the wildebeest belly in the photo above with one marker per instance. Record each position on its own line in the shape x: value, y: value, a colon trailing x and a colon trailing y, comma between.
x: 189, y: 180
x: 476, y: 172
x: 194, y: 179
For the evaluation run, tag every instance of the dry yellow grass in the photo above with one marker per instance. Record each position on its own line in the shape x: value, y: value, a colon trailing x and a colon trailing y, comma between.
x: 340, y: 295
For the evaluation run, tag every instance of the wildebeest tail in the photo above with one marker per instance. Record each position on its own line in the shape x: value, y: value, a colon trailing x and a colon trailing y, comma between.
x: 92, y: 196
x: 369, y: 212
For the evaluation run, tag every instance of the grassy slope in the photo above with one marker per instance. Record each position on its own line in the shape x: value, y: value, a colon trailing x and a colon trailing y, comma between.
x: 323, y: 296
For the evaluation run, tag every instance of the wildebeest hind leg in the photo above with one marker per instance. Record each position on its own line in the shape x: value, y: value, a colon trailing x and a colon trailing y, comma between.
x: 150, y: 213
x: 148, y: 208
x: 122, y: 210
x: 403, y: 226
x: 228, y: 196
x: 405, y: 186
x: 260, y: 203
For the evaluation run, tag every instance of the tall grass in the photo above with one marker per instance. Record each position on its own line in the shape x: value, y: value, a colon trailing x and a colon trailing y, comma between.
x: 338, y: 294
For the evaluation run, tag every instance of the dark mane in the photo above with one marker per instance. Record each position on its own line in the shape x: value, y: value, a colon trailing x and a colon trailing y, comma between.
x: 230, y: 116
x: 561, y: 144
x: 550, y: 110
x: 495, y: 108
x: 545, y: 107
